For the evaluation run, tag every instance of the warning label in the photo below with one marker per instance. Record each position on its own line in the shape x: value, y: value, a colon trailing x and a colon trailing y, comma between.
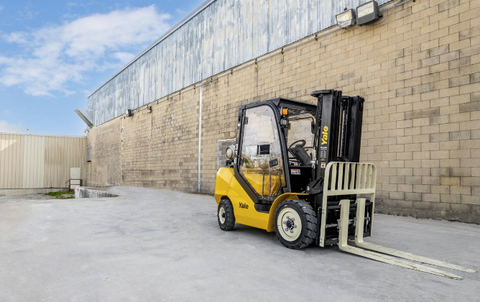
x: 295, y: 171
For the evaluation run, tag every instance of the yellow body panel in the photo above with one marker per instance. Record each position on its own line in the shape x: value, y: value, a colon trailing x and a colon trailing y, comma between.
x: 227, y: 185
x: 222, y: 183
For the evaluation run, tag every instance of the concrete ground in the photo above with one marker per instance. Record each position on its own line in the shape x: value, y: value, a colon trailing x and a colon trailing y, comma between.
x: 157, y: 245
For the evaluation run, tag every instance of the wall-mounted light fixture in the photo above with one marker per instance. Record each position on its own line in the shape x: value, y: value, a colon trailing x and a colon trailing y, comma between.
x: 368, y: 12
x: 149, y: 109
x: 129, y: 113
x: 346, y: 19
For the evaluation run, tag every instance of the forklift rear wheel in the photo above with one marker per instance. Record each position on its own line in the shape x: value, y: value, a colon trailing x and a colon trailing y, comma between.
x: 295, y: 224
x: 226, y: 219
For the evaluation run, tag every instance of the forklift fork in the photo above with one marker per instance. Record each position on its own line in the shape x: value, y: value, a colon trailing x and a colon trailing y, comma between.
x: 343, y: 180
x: 381, y: 253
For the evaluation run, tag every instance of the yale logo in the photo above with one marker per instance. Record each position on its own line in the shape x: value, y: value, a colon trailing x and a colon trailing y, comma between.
x: 243, y: 205
x: 325, y: 135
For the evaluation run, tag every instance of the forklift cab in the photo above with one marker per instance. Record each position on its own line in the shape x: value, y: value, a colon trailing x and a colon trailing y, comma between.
x: 284, y: 146
x: 275, y: 144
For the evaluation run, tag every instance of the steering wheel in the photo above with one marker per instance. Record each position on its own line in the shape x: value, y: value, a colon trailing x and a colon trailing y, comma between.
x: 292, y: 151
x: 298, y: 141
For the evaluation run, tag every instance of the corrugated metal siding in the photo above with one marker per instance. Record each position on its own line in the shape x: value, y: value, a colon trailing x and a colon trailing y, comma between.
x: 62, y: 153
x: 33, y: 164
x: 11, y: 160
x: 33, y: 161
x: 225, y: 34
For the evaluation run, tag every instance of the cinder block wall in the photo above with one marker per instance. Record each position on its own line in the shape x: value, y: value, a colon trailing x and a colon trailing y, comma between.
x: 418, y: 69
x: 150, y: 149
x: 105, y: 168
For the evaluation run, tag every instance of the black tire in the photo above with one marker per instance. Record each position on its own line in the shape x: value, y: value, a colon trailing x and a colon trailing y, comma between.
x: 290, y: 232
x: 225, y: 216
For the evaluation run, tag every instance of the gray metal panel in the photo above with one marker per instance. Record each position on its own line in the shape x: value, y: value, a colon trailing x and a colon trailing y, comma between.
x: 224, y: 34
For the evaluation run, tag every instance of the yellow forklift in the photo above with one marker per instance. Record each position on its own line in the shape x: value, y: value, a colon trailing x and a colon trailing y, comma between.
x: 294, y: 170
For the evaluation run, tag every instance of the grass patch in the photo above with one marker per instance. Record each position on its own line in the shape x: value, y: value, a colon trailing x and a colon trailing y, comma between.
x: 61, y: 195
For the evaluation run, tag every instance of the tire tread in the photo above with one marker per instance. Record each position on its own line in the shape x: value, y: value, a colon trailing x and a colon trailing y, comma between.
x: 229, y: 215
x: 311, y: 225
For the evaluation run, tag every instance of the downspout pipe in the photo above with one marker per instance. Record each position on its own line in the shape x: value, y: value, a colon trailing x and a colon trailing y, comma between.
x: 200, y: 139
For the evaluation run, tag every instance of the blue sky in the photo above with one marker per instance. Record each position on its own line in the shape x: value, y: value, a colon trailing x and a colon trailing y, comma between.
x: 53, y: 54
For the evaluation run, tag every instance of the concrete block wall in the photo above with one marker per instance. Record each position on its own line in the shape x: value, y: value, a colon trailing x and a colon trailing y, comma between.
x: 419, y: 71
x: 149, y: 149
x: 105, y: 168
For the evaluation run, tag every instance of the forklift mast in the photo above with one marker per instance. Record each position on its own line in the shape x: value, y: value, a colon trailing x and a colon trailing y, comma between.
x: 338, y: 130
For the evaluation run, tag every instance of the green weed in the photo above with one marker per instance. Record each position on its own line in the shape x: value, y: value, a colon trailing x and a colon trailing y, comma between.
x: 61, y: 195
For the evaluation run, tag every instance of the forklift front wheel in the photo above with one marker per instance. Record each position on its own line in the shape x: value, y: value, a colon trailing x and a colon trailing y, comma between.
x: 226, y: 219
x: 295, y: 224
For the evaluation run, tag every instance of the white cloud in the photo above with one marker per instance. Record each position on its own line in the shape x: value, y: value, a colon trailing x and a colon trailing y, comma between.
x: 58, y: 56
x: 11, y: 128
x: 16, y: 37
x: 124, y: 57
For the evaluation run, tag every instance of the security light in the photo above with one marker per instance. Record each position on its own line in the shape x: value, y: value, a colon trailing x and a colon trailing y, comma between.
x: 129, y: 112
x: 368, y: 12
x: 346, y: 18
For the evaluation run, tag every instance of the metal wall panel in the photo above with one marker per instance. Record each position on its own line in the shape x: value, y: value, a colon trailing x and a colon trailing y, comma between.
x: 62, y: 153
x: 225, y: 34
x: 34, y: 164
x: 36, y: 161
x: 11, y: 161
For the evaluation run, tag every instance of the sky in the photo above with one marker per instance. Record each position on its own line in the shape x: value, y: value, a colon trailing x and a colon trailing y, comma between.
x: 53, y: 54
